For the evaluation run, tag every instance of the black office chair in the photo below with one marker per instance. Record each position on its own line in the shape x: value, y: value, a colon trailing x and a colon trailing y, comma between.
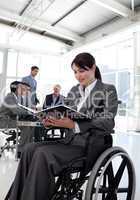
x: 10, y: 143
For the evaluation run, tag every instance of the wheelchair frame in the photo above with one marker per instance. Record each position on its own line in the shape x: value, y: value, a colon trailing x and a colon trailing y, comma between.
x: 102, y: 182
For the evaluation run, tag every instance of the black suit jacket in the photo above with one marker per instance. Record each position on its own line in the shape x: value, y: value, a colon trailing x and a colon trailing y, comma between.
x: 101, y: 105
x: 49, y: 100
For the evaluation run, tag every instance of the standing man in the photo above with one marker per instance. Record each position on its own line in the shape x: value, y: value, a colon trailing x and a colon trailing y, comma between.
x: 33, y: 84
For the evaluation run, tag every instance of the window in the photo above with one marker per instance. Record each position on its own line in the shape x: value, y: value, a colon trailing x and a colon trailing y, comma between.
x: 109, y: 78
x: 125, y: 54
x: 1, y: 62
x: 8, y: 82
x: 25, y: 61
x: 12, y: 63
x: 124, y: 86
x: 19, y: 65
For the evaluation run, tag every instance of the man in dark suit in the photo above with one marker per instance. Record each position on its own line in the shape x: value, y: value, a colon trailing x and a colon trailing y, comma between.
x: 35, y: 178
x: 54, y: 99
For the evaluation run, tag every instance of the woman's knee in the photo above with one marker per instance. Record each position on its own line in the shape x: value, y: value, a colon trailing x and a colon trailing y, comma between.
x: 29, y: 149
x: 43, y: 154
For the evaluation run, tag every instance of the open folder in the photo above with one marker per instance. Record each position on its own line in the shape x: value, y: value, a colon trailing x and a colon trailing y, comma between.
x: 58, y: 111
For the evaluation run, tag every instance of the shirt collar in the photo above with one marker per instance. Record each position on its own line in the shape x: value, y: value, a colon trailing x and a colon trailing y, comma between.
x: 87, y: 89
x: 32, y: 77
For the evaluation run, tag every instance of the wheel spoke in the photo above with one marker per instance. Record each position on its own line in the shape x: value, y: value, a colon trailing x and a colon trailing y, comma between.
x: 114, y: 182
x: 111, y: 196
x: 119, y: 173
x: 115, y: 167
x: 110, y: 174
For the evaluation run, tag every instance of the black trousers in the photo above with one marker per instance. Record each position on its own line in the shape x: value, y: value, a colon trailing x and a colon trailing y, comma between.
x: 35, y: 177
x: 41, y: 162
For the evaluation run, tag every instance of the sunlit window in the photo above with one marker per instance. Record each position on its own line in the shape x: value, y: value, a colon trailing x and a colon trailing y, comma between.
x: 109, y: 57
x: 8, y: 82
x: 19, y: 65
x: 12, y: 63
x: 125, y: 54
x: 1, y: 62
x: 25, y: 61
x: 50, y: 74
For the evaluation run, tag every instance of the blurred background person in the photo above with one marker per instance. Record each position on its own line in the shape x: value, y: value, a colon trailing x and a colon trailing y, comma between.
x: 10, y: 109
x: 54, y: 98
x: 30, y: 79
x: 18, y: 90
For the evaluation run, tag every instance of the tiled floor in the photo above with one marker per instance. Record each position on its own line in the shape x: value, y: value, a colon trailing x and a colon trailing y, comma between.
x: 129, y: 141
x: 8, y: 167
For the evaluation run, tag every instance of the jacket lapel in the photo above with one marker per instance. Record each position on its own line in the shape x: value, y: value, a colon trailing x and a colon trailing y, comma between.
x: 76, y: 98
x: 94, y: 100
x: 56, y: 101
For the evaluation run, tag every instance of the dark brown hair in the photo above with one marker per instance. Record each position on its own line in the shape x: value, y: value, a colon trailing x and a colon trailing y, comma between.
x: 34, y: 67
x: 98, y: 73
x: 86, y: 61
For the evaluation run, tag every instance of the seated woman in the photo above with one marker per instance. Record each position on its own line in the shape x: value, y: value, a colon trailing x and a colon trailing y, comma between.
x: 40, y: 162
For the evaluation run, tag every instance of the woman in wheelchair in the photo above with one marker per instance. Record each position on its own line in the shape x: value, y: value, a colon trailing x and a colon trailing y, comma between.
x: 41, y: 162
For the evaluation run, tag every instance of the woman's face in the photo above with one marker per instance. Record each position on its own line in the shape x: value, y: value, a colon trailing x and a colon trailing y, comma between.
x: 84, y: 77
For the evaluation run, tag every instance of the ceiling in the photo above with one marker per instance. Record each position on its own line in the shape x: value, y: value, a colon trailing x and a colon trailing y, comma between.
x: 66, y: 20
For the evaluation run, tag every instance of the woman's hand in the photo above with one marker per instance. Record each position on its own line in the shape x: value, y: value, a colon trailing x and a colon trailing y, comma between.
x: 64, y: 122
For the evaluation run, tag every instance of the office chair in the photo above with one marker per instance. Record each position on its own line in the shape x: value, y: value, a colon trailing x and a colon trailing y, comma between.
x: 10, y: 143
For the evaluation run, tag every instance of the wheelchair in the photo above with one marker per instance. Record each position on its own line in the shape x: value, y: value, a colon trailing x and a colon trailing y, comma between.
x: 112, y: 177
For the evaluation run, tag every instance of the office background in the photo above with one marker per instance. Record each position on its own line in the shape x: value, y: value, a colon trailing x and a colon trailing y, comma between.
x: 49, y: 33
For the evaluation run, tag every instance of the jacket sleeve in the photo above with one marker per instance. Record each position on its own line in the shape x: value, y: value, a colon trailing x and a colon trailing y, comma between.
x: 103, y: 121
x: 44, y: 104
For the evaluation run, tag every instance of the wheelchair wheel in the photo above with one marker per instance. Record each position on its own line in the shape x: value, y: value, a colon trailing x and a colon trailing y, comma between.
x: 112, y: 177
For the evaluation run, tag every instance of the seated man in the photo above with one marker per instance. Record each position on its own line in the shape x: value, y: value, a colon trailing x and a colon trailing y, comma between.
x: 35, y: 177
x: 9, y: 106
x: 54, y: 99
x: 9, y: 110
